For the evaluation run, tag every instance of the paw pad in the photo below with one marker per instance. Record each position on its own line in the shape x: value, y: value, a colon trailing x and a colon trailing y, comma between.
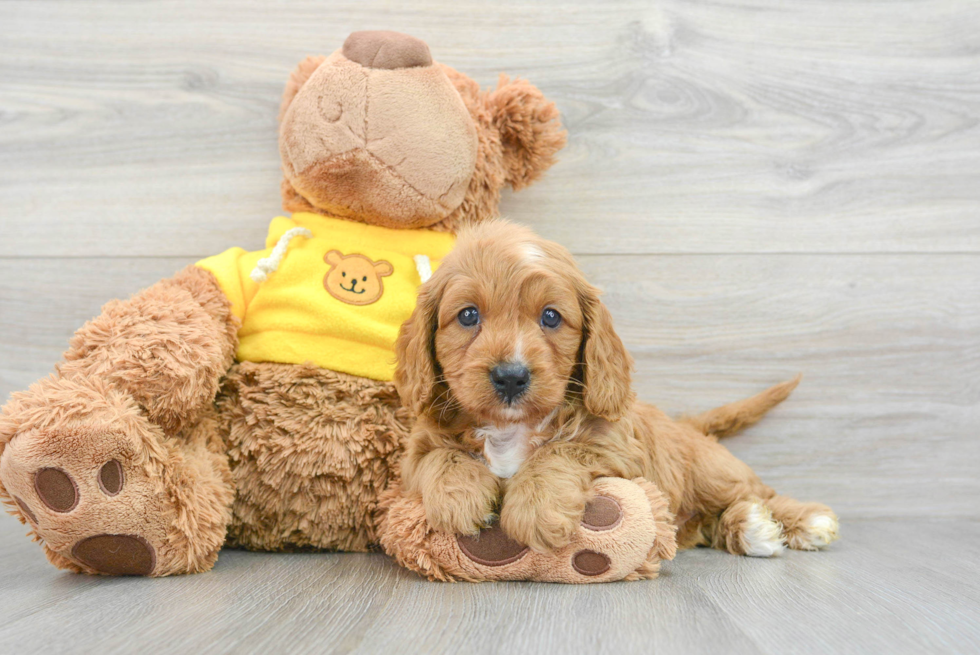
x: 56, y: 489
x: 491, y: 547
x: 111, y: 478
x: 589, y: 562
x: 603, y: 513
x: 116, y: 554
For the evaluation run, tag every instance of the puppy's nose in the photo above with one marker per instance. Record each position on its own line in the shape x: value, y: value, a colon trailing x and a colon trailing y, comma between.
x: 510, y: 380
x: 388, y: 50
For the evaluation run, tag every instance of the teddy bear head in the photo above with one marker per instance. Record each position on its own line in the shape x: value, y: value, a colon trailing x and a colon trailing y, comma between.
x: 380, y: 133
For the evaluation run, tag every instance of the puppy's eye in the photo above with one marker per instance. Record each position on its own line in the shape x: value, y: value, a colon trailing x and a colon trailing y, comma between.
x: 550, y: 318
x: 468, y: 317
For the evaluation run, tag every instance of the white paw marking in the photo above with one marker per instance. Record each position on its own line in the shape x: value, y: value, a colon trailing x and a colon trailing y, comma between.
x: 821, y: 530
x: 761, y: 536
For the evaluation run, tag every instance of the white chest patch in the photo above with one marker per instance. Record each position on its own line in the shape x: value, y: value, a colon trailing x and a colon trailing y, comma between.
x: 505, y: 448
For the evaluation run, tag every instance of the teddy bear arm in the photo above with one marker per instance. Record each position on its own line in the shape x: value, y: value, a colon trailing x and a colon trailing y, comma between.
x: 167, y: 347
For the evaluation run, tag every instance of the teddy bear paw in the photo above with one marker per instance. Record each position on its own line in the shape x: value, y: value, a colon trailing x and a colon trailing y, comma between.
x: 103, y: 489
x: 617, y: 539
x: 86, y: 499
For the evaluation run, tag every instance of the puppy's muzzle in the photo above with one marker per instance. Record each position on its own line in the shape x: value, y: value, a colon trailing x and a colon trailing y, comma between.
x: 510, y: 380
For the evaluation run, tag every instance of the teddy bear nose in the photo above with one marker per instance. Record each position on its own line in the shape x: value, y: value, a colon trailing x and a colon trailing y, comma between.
x: 385, y: 49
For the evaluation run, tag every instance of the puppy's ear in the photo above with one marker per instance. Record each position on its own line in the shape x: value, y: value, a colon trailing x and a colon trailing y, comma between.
x: 415, y: 374
x: 297, y: 79
x: 607, y: 389
x: 530, y: 129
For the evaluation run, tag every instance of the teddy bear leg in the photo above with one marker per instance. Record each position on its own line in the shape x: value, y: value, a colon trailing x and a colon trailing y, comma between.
x: 625, y: 532
x: 167, y: 347
x: 105, y: 490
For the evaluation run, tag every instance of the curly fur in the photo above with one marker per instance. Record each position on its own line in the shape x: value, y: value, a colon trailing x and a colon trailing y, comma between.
x: 167, y: 347
x: 310, y: 451
x: 635, y: 547
x: 267, y: 456
x: 578, y: 413
x: 527, y: 124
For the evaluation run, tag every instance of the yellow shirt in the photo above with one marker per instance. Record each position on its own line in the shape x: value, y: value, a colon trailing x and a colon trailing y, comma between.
x: 337, y: 297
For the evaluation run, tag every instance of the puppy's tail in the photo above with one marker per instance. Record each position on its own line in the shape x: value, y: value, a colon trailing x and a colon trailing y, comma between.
x: 729, y: 419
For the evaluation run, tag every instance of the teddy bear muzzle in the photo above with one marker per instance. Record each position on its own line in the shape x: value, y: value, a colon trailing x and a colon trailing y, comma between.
x: 379, y: 134
x: 386, y: 49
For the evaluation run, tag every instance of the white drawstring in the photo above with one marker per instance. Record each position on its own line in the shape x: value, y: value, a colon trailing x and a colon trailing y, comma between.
x: 269, y: 264
x: 423, y: 266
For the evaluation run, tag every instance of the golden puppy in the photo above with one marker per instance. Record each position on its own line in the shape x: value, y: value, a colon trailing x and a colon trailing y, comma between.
x: 522, y: 391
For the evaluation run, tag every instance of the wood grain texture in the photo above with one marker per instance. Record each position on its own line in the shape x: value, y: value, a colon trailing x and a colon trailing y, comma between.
x: 762, y: 188
x: 731, y: 126
x: 864, y: 595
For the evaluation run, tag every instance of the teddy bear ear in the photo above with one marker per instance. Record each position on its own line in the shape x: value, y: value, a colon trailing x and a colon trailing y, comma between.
x: 297, y: 79
x: 333, y: 257
x: 530, y: 129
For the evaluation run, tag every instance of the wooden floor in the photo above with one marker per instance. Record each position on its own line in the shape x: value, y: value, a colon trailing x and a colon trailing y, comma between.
x: 762, y: 187
x: 883, y: 590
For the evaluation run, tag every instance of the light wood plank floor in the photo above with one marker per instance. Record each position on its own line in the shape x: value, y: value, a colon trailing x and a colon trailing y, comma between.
x: 762, y: 188
x: 882, y: 590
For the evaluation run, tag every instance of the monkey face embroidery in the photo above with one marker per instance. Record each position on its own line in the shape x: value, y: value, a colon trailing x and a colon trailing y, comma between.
x: 355, y: 279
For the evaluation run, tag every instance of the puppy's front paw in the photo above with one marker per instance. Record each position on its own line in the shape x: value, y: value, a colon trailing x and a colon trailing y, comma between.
x: 460, y: 509
x: 543, y: 519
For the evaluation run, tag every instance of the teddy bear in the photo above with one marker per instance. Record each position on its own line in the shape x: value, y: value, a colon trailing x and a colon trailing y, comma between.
x: 248, y: 400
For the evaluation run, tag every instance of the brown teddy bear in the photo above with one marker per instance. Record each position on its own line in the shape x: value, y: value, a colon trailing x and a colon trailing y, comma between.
x: 248, y: 400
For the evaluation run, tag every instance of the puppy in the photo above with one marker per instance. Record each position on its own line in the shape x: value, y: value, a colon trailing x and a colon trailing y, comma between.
x: 523, y: 396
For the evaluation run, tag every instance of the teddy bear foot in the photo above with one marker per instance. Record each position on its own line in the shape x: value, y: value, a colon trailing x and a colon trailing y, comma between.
x: 616, y: 540
x: 625, y: 532
x: 107, y: 493
x: 88, y: 504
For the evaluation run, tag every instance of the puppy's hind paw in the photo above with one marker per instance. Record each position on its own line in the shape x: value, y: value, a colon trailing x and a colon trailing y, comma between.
x: 806, y: 526
x: 818, y: 531
x: 748, y: 528
x: 762, y: 537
